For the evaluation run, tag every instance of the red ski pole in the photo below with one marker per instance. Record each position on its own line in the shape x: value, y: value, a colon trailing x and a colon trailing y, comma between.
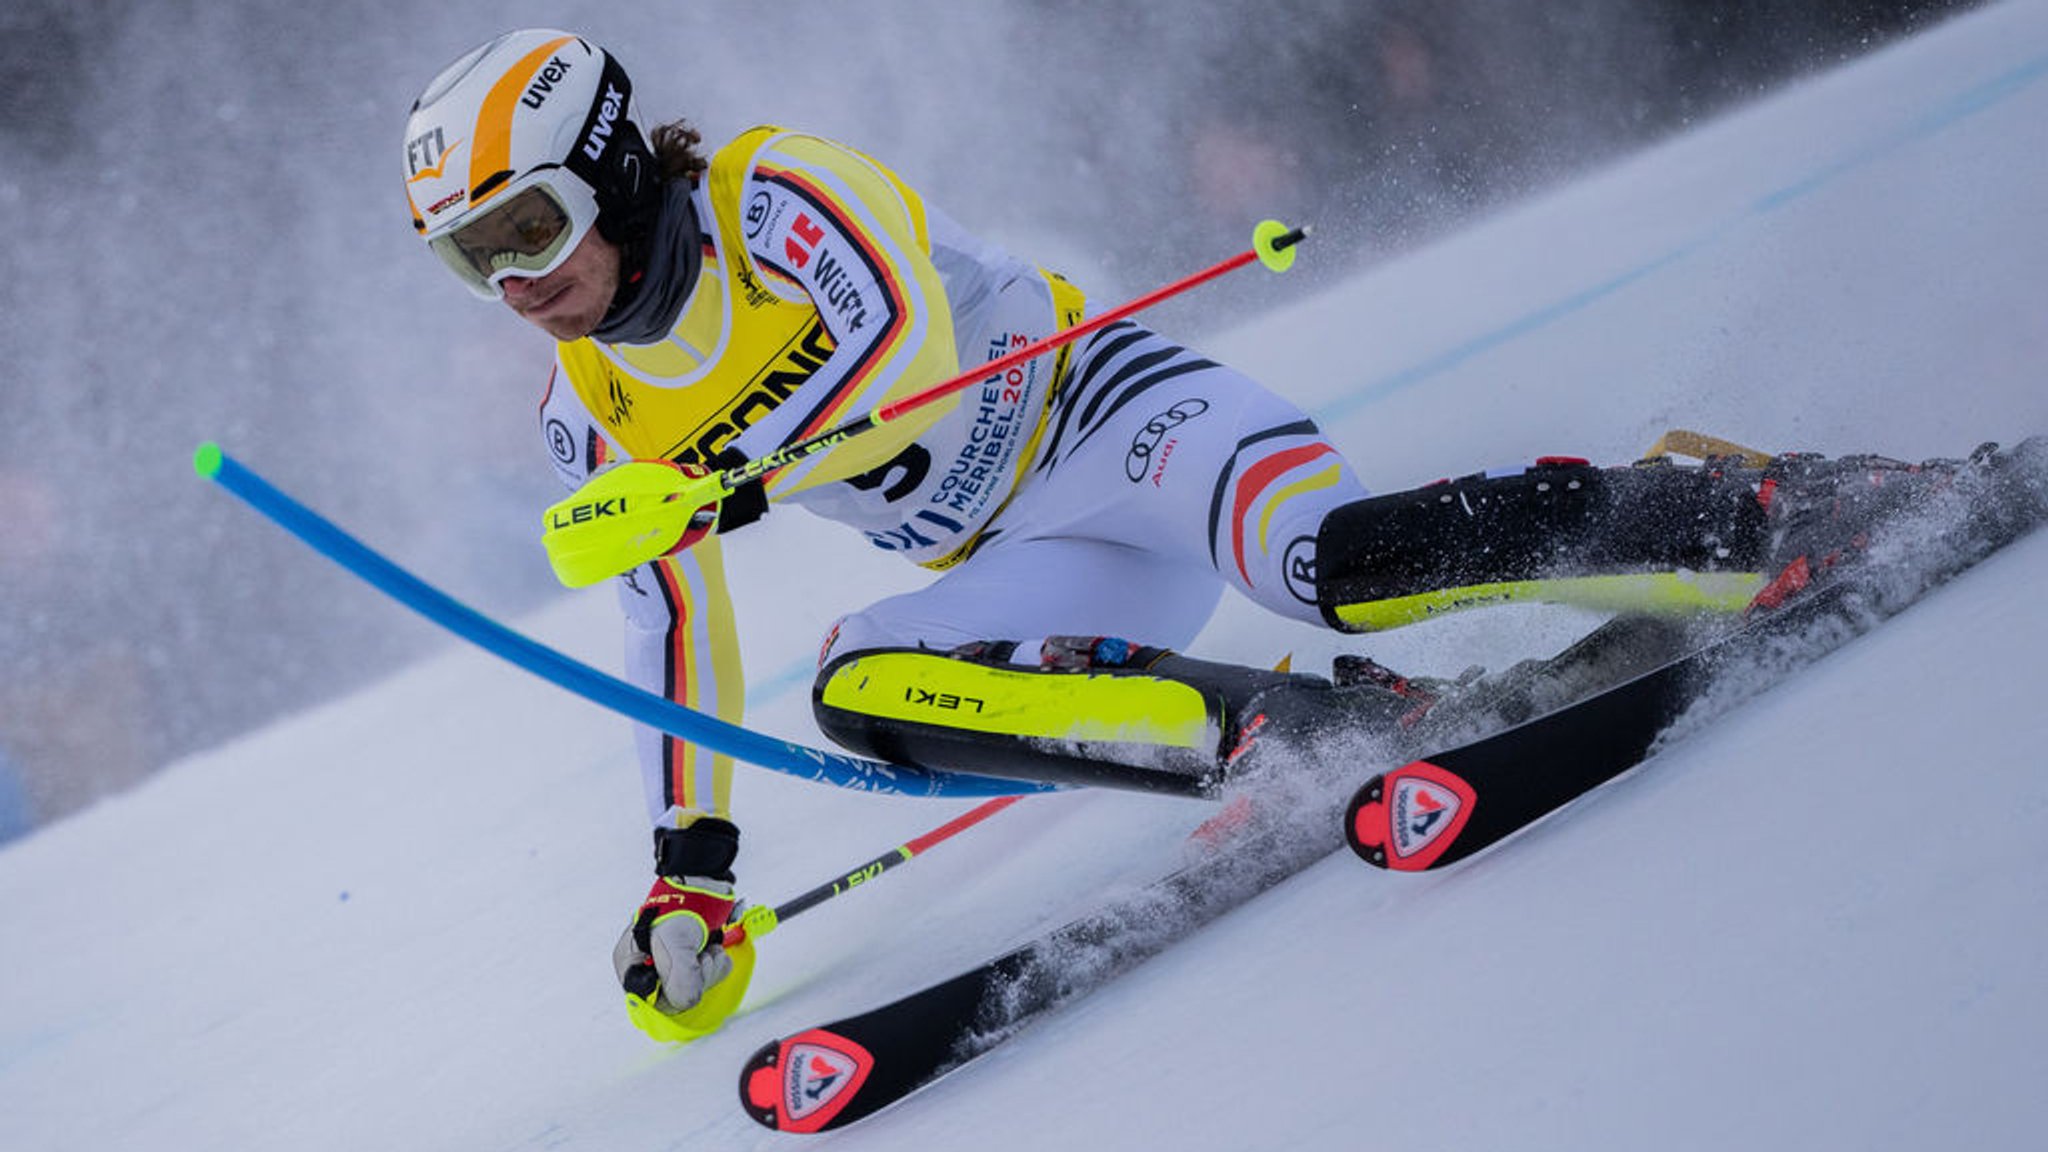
x: 1272, y: 244
x: 760, y: 921
x: 640, y: 509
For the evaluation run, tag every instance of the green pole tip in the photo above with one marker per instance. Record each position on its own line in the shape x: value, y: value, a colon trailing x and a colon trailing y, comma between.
x: 207, y: 460
x: 1274, y: 242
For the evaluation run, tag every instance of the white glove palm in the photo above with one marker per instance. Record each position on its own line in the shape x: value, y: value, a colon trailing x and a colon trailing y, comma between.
x: 679, y: 934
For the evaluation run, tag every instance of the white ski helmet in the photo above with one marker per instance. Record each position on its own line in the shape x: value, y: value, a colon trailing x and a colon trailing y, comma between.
x: 518, y: 148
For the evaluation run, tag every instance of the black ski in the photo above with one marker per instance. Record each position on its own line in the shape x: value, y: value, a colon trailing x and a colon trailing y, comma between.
x: 838, y: 1073
x: 1444, y: 807
x: 832, y: 1075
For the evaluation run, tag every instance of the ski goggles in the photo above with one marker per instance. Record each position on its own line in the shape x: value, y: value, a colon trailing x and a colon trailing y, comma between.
x: 530, y: 231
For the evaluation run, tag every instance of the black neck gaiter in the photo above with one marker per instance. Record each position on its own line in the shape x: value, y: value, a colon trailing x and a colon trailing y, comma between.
x: 646, y: 309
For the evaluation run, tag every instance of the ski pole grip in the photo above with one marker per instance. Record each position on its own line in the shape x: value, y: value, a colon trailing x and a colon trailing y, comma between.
x: 753, y: 924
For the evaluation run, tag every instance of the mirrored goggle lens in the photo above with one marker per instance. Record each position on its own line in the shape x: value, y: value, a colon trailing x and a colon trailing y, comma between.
x: 531, y: 233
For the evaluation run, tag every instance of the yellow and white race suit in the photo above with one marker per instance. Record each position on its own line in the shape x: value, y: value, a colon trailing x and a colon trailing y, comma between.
x: 1111, y: 486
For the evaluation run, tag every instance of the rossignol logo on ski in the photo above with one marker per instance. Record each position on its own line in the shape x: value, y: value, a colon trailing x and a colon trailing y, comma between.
x: 813, y: 1078
x: 801, y: 1084
x: 1412, y: 816
x: 1422, y: 811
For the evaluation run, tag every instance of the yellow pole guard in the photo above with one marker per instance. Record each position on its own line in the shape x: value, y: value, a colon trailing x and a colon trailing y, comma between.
x: 624, y: 517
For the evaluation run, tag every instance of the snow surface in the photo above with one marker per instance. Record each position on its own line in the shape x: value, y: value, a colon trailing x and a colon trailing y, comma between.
x: 1823, y: 923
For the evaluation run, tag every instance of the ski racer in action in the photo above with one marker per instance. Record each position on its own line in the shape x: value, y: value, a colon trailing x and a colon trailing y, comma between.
x: 1084, y: 510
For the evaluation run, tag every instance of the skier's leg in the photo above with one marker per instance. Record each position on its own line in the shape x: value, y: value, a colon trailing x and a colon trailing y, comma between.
x: 1649, y: 537
x: 933, y: 678
x: 1653, y: 537
x: 1156, y: 447
x: 1162, y: 476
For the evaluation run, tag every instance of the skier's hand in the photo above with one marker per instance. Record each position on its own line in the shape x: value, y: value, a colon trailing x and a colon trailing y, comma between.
x: 744, y: 504
x: 674, y: 949
x: 680, y: 980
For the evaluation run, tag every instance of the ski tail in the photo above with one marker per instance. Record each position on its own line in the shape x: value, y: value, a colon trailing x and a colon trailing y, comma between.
x: 1408, y: 819
x: 810, y: 1082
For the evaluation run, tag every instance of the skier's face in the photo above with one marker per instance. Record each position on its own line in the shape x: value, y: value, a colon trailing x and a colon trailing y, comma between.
x: 569, y: 302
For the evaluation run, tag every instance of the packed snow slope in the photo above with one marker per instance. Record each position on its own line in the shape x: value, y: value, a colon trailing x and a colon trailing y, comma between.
x: 1821, y: 923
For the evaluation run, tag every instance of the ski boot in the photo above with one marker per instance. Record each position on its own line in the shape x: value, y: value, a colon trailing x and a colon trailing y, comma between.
x: 1651, y: 536
x: 1824, y: 517
x: 1421, y: 693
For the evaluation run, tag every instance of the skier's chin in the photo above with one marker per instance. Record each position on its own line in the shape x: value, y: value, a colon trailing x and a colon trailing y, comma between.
x: 560, y: 310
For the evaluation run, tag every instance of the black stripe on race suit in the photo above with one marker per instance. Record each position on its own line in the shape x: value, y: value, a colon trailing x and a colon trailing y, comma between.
x: 1119, y: 336
x: 1126, y: 383
x: 1093, y: 417
x: 1138, y: 388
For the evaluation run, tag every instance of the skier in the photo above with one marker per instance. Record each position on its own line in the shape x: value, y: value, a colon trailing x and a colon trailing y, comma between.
x: 713, y: 308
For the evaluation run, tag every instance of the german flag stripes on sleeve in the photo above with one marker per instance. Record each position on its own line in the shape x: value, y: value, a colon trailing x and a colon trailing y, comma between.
x: 682, y: 643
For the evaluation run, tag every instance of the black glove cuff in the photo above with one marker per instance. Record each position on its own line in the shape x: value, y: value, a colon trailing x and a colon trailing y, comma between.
x: 706, y: 848
x: 744, y: 504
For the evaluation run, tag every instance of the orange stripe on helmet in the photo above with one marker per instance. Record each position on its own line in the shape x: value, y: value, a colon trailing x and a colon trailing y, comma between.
x: 492, y: 152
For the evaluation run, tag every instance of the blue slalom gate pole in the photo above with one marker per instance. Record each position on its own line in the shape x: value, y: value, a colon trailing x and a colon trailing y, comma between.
x: 606, y: 691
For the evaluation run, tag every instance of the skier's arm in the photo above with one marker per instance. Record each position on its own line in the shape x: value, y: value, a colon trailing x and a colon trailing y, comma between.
x: 681, y: 642
x: 830, y: 226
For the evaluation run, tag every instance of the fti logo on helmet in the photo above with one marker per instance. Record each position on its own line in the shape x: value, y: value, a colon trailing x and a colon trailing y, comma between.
x: 426, y: 155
